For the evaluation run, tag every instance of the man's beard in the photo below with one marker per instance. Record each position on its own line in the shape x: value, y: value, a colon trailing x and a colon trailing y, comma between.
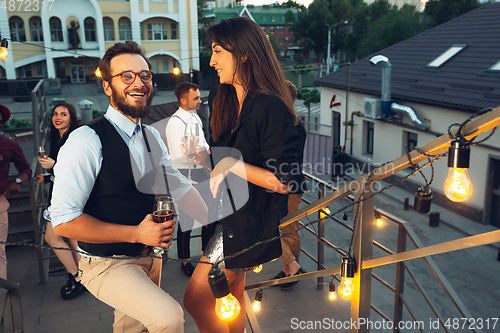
x: 140, y: 111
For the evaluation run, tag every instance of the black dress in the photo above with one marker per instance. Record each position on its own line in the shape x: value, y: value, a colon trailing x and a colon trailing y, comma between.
x: 264, y: 136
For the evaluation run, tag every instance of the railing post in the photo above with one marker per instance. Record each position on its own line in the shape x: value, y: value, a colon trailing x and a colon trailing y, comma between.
x: 400, y: 279
x: 362, y: 250
x: 321, y: 234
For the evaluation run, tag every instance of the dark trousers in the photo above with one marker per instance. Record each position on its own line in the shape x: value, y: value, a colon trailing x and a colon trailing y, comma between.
x: 186, y: 222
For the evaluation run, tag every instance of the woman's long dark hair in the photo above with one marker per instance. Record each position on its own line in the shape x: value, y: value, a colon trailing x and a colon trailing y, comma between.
x: 55, y: 139
x: 261, y: 72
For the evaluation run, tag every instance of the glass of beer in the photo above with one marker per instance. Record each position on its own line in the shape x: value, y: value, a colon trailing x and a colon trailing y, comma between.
x: 163, y: 211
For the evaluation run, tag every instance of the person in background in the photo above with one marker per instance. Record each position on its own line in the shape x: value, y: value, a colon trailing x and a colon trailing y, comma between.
x: 252, y: 113
x: 291, y: 243
x: 103, y: 198
x: 63, y: 122
x: 188, y: 95
x: 10, y: 151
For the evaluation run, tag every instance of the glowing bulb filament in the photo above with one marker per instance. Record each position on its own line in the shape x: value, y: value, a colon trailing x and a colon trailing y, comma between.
x: 257, y: 269
x: 227, y: 308
x: 98, y: 72
x: 4, y: 53
x: 323, y: 215
x: 332, y: 296
x: 380, y: 222
x: 176, y: 70
x: 458, y: 186
x: 256, y: 306
x: 346, y: 287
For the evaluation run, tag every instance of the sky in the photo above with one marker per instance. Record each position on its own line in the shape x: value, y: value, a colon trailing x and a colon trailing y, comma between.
x: 268, y: 2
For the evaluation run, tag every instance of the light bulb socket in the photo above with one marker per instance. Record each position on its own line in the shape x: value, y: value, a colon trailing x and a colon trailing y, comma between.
x: 4, y: 43
x: 345, y: 216
x: 258, y: 296
x: 218, y: 282
x: 459, y: 154
x: 423, y: 200
x: 348, y: 267
x: 331, y: 287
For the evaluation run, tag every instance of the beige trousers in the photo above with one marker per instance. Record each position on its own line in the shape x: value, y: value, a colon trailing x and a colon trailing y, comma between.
x: 131, y: 287
x: 4, y: 230
x: 291, y: 244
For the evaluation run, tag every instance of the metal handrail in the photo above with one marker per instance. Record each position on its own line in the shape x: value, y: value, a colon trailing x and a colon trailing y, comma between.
x: 363, y: 233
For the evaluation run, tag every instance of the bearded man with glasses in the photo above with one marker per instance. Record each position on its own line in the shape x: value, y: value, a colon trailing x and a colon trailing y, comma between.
x: 106, y: 178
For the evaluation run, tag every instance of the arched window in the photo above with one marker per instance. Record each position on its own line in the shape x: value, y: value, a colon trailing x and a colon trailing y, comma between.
x: 124, y: 29
x: 109, y: 28
x: 36, y: 29
x: 17, y: 33
x: 56, y: 34
x: 89, y: 24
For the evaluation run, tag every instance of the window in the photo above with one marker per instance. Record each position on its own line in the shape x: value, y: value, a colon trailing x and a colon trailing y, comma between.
x: 124, y: 29
x: 165, y: 66
x: 282, y: 19
x: 369, y: 126
x: 36, y: 29
x: 282, y: 41
x: 495, y: 67
x: 173, y: 30
x: 411, y: 140
x: 273, y: 19
x: 89, y: 25
x: 41, y: 69
x: 23, y: 72
x: 271, y: 30
x: 17, y: 33
x: 154, y: 67
x: 263, y: 28
x: 157, y: 31
x: 56, y: 34
x: 109, y: 28
x: 447, y: 55
x: 263, y: 19
x: 281, y: 29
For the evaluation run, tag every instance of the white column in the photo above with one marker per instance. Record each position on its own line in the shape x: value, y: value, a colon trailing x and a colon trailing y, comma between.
x: 145, y: 4
x: 10, y: 71
x: 183, y: 35
x: 135, y: 21
x: 170, y: 6
x: 195, y: 53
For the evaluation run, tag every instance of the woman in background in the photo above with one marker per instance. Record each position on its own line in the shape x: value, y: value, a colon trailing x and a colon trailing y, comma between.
x: 252, y: 113
x: 63, y: 123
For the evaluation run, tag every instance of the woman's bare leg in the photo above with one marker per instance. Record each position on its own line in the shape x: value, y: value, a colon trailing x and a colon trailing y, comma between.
x: 200, y: 303
x: 66, y: 257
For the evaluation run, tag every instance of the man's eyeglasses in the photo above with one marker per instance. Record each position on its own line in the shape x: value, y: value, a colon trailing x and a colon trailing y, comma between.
x: 128, y: 76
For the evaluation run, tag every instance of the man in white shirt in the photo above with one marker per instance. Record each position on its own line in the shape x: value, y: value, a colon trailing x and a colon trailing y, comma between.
x: 97, y: 199
x: 188, y: 95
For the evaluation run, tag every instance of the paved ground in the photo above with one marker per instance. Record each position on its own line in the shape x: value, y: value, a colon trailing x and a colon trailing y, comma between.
x: 472, y: 273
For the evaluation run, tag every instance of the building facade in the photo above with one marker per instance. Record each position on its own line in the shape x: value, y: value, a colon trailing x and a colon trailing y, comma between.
x: 439, y: 78
x: 66, y: 38
x: 272, y: 20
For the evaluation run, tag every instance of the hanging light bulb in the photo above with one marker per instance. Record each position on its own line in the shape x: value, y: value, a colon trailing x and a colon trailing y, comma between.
x: 176, y: 71
x: 458, y: 187
x: 324, y: 213
x: 332, y: 295
x: 257, y: 302
x: 423, y: 200
x: 345, y: 216
x: 227, y: 306
x: 347, y: 268
x: 4, y: 45
x: 98, y: 72
x: 257, y: 269
x: 379, y: 221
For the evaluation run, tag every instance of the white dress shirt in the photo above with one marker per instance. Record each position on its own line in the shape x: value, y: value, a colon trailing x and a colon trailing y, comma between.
x: 175, y: 131
x: 79, y: 163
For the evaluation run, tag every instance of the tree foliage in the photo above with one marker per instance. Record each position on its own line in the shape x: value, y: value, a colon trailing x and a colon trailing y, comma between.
x: 370, y: 28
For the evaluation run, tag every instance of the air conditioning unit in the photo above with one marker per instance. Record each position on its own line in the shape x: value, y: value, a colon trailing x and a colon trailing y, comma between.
x: 372, y: 108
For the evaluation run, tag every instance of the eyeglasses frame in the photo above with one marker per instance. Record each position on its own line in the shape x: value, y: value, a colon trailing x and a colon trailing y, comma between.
x: 135, y: 77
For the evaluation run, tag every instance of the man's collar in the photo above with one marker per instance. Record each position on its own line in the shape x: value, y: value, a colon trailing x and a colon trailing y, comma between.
x: 122, y: 121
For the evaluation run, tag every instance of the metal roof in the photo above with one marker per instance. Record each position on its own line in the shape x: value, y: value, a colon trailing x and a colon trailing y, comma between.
x: 462, y: 83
